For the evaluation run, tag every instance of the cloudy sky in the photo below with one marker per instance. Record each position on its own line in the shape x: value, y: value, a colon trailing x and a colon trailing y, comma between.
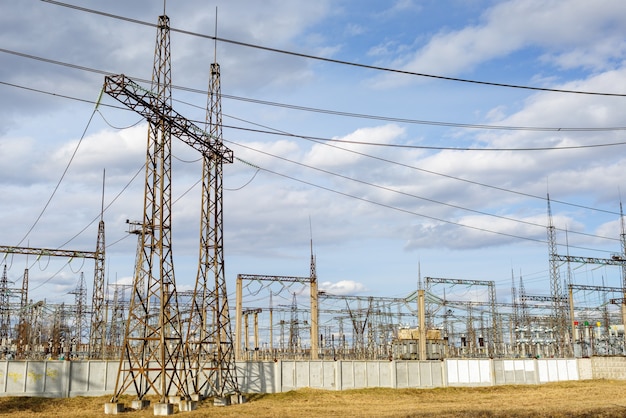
x: 404, y: 137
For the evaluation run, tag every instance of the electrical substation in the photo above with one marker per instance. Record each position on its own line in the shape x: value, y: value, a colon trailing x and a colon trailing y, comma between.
x: 186, y: 344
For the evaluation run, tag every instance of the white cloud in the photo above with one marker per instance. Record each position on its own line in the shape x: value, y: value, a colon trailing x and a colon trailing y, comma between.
x: 343, y: 288
x: 514, y: 25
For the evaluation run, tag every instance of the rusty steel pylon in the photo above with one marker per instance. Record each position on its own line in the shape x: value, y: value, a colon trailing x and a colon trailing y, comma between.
x: 97, y: 332
x: 559, y: 312
x: 152, y: 351
x: 153, y: 355
x: 209, y: 343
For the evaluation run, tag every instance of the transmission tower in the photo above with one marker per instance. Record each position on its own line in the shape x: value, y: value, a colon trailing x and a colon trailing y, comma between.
x: 623, y: 242
x: 152, y: 352
x: 23, y: 325
x: 515, y: 314
x: 97, y: 333
x: 80, y: 312
x: 559, y: 319
x: 294, y: 326
x: 209, y: 341
x: 5, y: 313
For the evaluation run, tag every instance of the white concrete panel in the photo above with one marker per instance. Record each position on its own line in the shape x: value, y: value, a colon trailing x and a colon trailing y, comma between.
x: 542, y: 369
x: 553, y: 370
x: 79, y: 376
x: 403, y: 376
x: 288, y: 374
x: 316, y: 378
x: 303, y: 376
x: 373, y: 371
x: 3, y: 376
x: 452, y: 371
x: 35, y: 377
x: 463, y: 367
x: 329, y: 374
x: 562, y: 370
x: 360, y: 374
x: 347, y: 375
x: 484, y: 371
x: 16, y: 373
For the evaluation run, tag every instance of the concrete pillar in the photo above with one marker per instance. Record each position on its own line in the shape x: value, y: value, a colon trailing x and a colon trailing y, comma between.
x: 315, y: 333
x: 238, y: 309
x: 422, y: 323
x: 256, y: 336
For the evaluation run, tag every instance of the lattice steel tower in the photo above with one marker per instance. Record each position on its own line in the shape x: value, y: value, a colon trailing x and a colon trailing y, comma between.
x: 209, y: 338
x: 5, y: 308
x: 97, y: 340
x: 152, y: 352
x: 559, y: 315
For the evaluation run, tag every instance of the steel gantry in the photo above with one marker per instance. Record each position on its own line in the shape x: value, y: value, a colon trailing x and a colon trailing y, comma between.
x: 494, y: 332
x: 98, y: 321
x: 314, y: 294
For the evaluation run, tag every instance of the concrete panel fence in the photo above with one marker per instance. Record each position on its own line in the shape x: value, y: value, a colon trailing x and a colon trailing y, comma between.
x: 98, y: 378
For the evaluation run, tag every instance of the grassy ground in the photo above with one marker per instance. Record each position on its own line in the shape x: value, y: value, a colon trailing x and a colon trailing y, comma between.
x: 592, y: 398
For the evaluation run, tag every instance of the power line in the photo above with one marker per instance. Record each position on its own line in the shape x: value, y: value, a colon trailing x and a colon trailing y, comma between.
x: 326, y: 141
x: 328, y: 111
x: 427, y: 147
x: 410, y: 212
x: 332, y: 60
x: 389, y: 189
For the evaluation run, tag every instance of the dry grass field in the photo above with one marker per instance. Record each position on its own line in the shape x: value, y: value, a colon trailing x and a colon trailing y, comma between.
x: 593, y: 398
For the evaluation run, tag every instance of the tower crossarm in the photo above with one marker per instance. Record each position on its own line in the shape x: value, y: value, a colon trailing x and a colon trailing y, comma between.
x: 541, y: 298
x: 615, y: 260
x: 596, y: 288
x: 47, y: 252
x: 157, y: 110
x: 438, y: 280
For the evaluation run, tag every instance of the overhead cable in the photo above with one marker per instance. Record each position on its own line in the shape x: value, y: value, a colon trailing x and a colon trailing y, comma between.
x: 329, y: 111
x: 332, y: 60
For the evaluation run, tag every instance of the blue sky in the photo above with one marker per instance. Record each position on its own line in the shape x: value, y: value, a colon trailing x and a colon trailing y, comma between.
x: 376, y: 212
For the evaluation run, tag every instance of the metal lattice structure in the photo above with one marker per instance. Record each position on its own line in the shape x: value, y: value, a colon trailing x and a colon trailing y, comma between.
x: 80, y: 329
x: 97, y: 340
x: 4, y: 306
x: 559, y: 313
x: 152, y: 353
x: 25, y: 328
x: 209, y: 343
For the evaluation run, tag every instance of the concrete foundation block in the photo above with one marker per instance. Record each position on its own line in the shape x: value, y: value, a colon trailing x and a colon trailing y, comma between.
x: 197, y: 397
x: 174, y: 399
x: 113, y: 408
x: 237, y: 398
x: 221, y: 401
x: 187, y: 405
x: 139, y: 404
x: 163, y: 409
